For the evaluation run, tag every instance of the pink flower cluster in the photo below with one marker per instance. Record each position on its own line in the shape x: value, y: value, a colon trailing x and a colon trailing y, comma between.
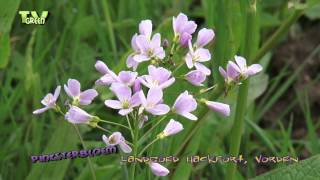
x: 142, y: 95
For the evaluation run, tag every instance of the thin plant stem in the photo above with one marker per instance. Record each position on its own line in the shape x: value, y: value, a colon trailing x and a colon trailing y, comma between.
x: 84, y: 147
x: 150, y: 130
x: 114, y: 123
x: 148, y: 145
x: 135, y: 144
x: 130, y: 127
x: 241, y: 107
x: 103, y: 129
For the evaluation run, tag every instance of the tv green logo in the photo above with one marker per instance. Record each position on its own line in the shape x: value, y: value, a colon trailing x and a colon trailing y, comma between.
x: 32, y: 17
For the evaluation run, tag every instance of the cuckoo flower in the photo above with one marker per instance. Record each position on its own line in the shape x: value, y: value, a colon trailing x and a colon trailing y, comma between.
x: 108, y: 77
x: 184, y: 104
x: 221, y: 108
x: 158, y: 170
x: 73, y: 90
x: 116, y: 138
x: 242, y: 68
x: 75, y: 115
x: 173, y: 127
x: 183, y: 28
x: 126, y: 102
x: 195, y: 77
x: 152, y: 103
x: 158, y: 77
x: 231, y: 75
x: 149, y: 48
x: 195, y: 57
x: 145, y: 28
x: 204, y: 37
x: 49, y: 101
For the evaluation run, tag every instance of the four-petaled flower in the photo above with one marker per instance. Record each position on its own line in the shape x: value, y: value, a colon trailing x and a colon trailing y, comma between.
x: 75, y: 115
x: 242, y: 68
x: 116, y: 138
x: 153, y: 102
x: 158, y: 170
x: 157, y: 78
x: 49, y: 101
x: 126, y: 101
x: 73, y: 89
x: 173, y: 127
x: 196, y: 57
x: 184, y: 104
x: 183, y: 28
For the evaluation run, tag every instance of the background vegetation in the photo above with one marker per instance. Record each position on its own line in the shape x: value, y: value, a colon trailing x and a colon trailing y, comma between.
x: 281, y: 114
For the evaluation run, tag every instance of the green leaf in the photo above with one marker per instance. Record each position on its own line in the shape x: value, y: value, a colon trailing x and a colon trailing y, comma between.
x: 4, y: 50
x: 307, y: 170
x: 63, y: 139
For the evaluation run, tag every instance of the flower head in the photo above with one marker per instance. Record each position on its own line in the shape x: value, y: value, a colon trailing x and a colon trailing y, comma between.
x: 152, y: 103
x: 196, y: 57
x: 244, y: 70
x: 173, y: 127
x: 158, y: 170
x: 231, y: 75
x: 73, y: 90
x: 49, y: 101
x: 195, y: 77
x: 145, y: 46
x: 126, y: 102
x: 204, y: 37
x: 76, y: 115
x: 108, y: 77
x: 184, y: 104
x: 218, y: 107
x: 116, y: 138
x: 183, y: 28
x: 157, y: 78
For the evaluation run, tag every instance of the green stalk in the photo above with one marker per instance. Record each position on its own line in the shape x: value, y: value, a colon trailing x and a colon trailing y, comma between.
x: 237, y: 128
x: 135, y: 144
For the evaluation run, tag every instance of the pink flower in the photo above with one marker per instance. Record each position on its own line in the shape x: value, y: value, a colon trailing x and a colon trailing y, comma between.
x: 145, y: 46
x: 73, y: 90
x: 49, y: 101
x: 157, y: 78
x: 183, y: 28
x: 158, y: 169
x: 108, y: 77
x: 204, y: 37
x: 218, y: 107
x: 76, y: 115
x: 242, y: 68
x: 173, y: 127
x: 152, y: 103
x: 231, y: 75
x: 185, y: 104
x: 116, y: 138
x: 126, y: 102
x: 195, y: 77
x: 196, y: 57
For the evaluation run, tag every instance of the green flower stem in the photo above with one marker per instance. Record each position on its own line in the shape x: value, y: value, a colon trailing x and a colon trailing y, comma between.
x: 241, y: 107
x: 114, y: 123
x: 135, y: 143
x: 148, y: 145
x: 130, y: 127
x: 84, y: 147
x: 142, y: 139
x: 103, y: 129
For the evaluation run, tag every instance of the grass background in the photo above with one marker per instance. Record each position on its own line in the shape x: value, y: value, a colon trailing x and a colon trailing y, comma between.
x: 35, y: 58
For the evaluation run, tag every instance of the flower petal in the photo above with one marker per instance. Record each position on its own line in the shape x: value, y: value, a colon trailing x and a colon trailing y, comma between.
x: 254, y: 69
x: 124, y: 112
x: 56, y: 93
x: 41, y: 110
x: 125, y: 147
x: 113, y: 104
x: 87, y: 96
x: 204, y: 37
x: 145, y: 28
x: 159, y: 109
x: 158, y: 169
x: 74, y: 87
x: 154, y: 96
x: 202, y: 68
x: 241, y: 62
